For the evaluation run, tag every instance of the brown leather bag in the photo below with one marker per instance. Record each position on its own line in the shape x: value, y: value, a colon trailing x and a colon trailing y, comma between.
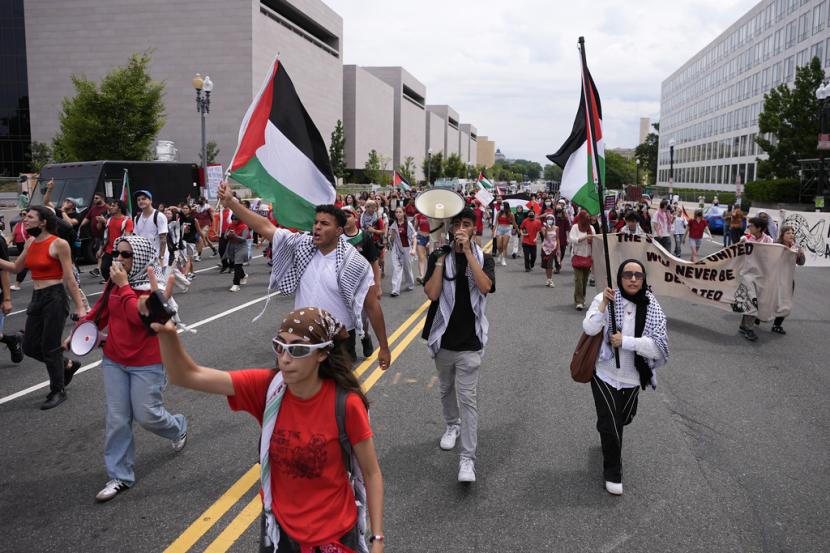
x: 584, y: 359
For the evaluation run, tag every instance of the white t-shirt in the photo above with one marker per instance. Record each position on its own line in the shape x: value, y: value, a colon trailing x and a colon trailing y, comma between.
x: 318, y: 288
x: 144, y: 226
x: 679, y: 225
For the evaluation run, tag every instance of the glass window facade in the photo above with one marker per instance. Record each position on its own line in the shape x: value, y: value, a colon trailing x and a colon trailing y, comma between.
x: 15, y: 134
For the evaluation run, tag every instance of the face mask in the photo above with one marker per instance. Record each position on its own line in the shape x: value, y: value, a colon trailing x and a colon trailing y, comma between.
x: 550, y: 222
x: 34, y: 231
x: 548, y: 204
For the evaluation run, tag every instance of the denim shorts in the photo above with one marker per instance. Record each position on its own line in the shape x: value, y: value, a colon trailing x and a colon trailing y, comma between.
x: 503, y: 230
x: 696, y: 242
x: 423, y: 240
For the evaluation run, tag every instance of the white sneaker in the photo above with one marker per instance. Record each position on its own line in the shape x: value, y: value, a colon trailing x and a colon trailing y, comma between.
x: 197, y: 257
x: 613, y: 488
x: 503, y: 262
x: 552, y: 284
x: 450, y: 436
x: 548, y: 283
x: 235, y: 288
x: 113, y: 488
x: 179, y: 443
x: 14, y: 287
x: 579, y: 307
x: 244, y: 280
x: 466, y: 470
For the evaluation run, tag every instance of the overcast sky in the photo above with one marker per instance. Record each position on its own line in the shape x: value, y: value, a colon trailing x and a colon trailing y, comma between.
x: 511, y: 68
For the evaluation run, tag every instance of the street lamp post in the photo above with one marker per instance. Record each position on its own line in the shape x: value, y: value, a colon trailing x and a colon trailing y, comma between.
x: 203, y: 108
x: 638, y: 171
x: 429, y: 165
x: 823, y: 95
x: 671, y: 167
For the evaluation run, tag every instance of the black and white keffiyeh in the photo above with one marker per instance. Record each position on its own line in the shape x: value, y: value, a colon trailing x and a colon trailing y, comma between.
x: 144, y: 254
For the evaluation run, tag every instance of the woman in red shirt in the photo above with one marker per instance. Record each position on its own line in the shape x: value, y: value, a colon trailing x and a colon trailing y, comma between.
x: 696, y: 228
x: 308, y: 498
x: 133, y: 374
x: 50, y: 260
x: 422, y: 244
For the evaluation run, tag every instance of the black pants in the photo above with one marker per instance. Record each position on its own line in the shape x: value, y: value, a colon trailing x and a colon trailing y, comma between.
x: 45, y: 318
x: 615, y: 409
x: 563, y: 245
x: 223, y: 245
x: 238, y: 274
x: 106, y: 265
x: 529, y: 255
x: 21, y: 276
x: 288, y: 545
x: 735, y: 234
x: 351, y: 345
x: 665, y: 241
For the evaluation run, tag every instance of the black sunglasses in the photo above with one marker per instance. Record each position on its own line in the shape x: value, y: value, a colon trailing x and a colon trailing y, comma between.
x: 636, y: 275
x: 125, y: 255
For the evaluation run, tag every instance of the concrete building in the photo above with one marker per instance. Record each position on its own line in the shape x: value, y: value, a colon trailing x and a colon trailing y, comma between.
x: 467, y: 143
x: 710, y: 105
x: 645, y: 128
x: 485, y: 151
x: 233, y: 42
x: 368, y: 116
x: 627, y: 153
x: 450, y: 129
x: 435, y: 132
x: 409, y: 131
x: 499, y: 156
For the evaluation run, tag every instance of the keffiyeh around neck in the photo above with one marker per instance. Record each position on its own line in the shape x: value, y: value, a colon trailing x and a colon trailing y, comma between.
x: 143, y: 255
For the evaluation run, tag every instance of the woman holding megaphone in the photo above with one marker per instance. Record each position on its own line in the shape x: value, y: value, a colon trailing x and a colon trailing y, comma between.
x: 133, y: 374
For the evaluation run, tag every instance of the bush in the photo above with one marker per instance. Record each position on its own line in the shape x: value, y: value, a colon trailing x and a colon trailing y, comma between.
x: 774, y: 190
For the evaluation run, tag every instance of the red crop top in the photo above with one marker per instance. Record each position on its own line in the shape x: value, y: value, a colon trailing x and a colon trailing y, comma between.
x: 43, y: 265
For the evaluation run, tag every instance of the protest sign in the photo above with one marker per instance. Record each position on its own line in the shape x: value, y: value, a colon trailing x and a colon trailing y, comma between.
x: 215, y: 174
x: 812, y: 234
x: 745, y: 278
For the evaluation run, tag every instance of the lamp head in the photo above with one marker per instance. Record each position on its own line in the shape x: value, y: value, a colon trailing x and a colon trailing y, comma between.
x: 208, y: 84
x: 671, y: 143
x: 198, y: 82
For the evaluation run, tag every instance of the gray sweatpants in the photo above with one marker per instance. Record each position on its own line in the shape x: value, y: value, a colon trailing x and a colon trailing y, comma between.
x: 458, y: 380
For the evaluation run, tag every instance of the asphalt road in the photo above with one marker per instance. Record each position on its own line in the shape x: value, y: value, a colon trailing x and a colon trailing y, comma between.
x: 730, y: 453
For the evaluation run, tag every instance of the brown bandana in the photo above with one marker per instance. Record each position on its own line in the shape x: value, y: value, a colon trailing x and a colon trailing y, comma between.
x: 313, y: 325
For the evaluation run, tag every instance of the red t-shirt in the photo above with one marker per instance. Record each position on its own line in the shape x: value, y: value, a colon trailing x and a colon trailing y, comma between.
x: 532, y: 226
x: 422, y: 222
x: 313, y: 499
x: 204, y: 216
x: 128, y: 340
x: 479, y: 219
x: 696, y: 228
x: 114, y: 230
x: 93, y: 212
x: 404, y: 235
x: 534, y: 206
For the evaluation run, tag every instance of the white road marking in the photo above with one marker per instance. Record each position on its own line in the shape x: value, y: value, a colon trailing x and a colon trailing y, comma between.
x: 85, y: 368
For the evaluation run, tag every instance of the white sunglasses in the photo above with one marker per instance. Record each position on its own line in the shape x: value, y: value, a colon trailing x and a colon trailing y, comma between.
x: 297, y: 351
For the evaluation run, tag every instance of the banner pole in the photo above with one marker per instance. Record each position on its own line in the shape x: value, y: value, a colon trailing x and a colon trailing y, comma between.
x: 598, y: 177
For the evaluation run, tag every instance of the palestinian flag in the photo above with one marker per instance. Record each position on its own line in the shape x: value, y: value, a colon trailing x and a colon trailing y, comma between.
x: 126, y: 197
x: 483, y: 183
x: 281, y: 155
x: 581, y: 169
x: 398, y: 180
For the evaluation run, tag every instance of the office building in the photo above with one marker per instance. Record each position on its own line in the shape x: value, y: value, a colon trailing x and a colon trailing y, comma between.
x: 409, y: 127
x: 710, y: 105
x: 233, y: 42
x: 449, y: 129
x: 485, y: 151
x: 645, y: 128
x: 468, y: 143
x: 15, y: 134
x: 368, y: 117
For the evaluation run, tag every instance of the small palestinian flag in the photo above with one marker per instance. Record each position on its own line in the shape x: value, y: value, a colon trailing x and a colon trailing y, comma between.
x: 483, y: 183
x: 281, y: 155
x: 126, y: 197
x: 581, y: 169
x: 398, y: 180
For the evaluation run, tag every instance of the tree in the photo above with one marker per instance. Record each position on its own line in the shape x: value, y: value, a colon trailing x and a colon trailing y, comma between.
x: 407, y: 169
x: 647, y: 154
x: 117, y: 120
x: 385, y: 174
x: 40, y: 155
x: 455, y: 167
x: 212, y: 152
x: 433, y: 166
x: 553, y: 172
x: 619, y: 170
x: 337, y: 150
x: 372, y: 168
x: 790, y: 115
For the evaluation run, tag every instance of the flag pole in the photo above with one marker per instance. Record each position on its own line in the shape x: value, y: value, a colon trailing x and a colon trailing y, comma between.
x: 589, y: 106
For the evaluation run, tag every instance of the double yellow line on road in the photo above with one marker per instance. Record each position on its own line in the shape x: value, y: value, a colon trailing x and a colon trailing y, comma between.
x: 249, y: 514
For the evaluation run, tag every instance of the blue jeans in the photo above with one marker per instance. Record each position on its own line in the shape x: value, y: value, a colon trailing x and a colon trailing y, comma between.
x: 134, y: 393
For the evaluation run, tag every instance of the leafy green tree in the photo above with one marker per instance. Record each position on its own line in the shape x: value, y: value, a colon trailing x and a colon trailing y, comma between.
x: 40, y: 155
x: 407, y: 169
x: 552, y: 172
x: 212, y: 152
x: 455, y: 167
x: 434, y: 166
x: 790, y: 115
x: 619, y: 170
x: 337, y: 150
x: 647, y: 154
x: 372, y: 169
x: 117, y: 120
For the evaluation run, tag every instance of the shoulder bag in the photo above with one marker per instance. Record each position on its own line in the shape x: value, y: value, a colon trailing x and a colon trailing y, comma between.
x: 585, y: 356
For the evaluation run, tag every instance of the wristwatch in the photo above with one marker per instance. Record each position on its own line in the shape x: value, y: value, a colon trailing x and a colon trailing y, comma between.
x: 373, y: 539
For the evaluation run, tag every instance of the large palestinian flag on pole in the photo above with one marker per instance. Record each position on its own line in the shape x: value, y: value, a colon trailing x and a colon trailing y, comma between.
x: 281, y: 155
x: 580, y: 167
x: 483, y: 183
x: 399, y: 181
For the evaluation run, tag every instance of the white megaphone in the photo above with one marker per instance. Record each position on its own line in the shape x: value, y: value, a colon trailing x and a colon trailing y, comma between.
x: 441, y: 205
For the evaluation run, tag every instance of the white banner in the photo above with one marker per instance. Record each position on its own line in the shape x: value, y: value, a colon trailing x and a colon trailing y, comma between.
x: 812, y: 233
x: 746, y: 278
x: 215, y: 173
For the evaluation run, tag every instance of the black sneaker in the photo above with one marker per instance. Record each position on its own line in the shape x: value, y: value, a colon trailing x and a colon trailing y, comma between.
x: 16, y: 348
x: 368, y: 348
x: 53, y: 400
x: 778, y: 329
x: 749, y: 334
x: 96, y: 272
x: 514, y: 256
x: 69, y: 370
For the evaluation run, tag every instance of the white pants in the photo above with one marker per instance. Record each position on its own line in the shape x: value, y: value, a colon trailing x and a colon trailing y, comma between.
x: 514, y: 239
x: 401, y: 268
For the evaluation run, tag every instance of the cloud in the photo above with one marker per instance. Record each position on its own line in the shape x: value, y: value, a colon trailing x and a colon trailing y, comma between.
x: 511, y: 68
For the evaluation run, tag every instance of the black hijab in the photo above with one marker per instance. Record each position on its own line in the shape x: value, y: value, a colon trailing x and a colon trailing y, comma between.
x: 640, y: 299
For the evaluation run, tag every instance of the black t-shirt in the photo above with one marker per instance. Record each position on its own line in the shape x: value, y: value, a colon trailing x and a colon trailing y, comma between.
x: 189, y: 231
x: 4, y: 255
x: 364, y: 243
x: 460, y: 334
